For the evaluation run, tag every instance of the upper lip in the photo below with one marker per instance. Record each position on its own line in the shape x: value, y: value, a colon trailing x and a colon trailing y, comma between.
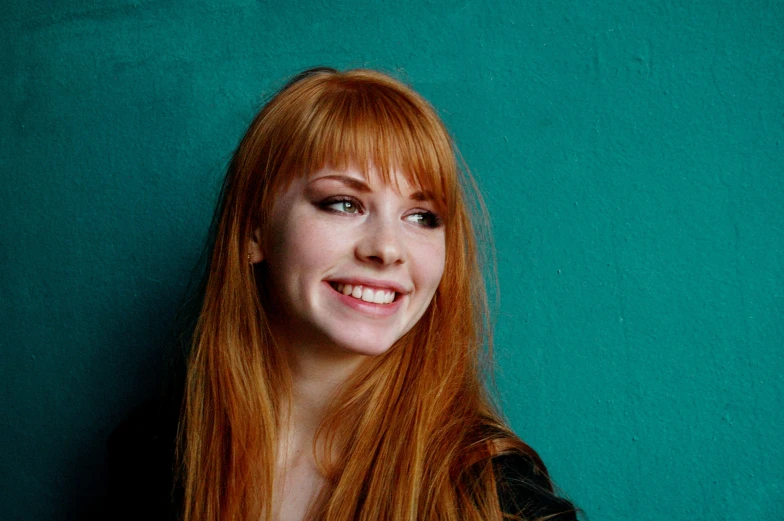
x: 371, y: 283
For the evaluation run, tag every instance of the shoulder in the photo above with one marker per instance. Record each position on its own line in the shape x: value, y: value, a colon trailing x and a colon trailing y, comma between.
x: 141, y: 464
x: 525, y: 488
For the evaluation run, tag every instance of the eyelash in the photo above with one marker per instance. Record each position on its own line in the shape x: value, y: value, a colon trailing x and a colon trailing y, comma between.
x: 326, y: 204
x: 429, y: 219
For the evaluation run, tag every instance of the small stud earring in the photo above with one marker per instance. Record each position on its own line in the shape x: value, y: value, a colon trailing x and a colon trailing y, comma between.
x: 250, y: 260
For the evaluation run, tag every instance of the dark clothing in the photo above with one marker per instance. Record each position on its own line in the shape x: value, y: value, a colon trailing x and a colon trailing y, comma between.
x: 141, y: 475
x: 525, y: 490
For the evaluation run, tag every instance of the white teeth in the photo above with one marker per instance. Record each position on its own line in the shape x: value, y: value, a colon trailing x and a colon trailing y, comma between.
x: 378, y: 296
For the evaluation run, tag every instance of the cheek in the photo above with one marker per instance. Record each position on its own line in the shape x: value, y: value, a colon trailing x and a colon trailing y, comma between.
x: 300, y: 245
x: 430, y: 268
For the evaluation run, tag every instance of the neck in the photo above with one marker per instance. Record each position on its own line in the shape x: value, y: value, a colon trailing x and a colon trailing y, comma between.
x: 316, y: 375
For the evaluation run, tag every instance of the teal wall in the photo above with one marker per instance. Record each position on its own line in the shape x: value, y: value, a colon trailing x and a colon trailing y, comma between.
x: 632, y: 155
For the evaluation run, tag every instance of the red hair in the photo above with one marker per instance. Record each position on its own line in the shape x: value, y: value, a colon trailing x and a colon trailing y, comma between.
x: 417, y: 417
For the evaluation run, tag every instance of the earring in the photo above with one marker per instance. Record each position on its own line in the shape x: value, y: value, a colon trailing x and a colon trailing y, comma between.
x: 250, y: 259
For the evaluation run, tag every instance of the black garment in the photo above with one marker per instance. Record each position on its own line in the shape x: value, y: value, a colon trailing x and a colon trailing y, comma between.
x: 525, y: 490
x: 141, y: 475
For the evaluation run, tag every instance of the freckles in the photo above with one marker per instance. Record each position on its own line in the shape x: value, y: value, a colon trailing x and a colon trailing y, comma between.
x: 316, y: 241
x: 430, y: 261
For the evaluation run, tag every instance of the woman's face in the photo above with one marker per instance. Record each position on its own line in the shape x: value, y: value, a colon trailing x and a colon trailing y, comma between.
x: 352, y: 263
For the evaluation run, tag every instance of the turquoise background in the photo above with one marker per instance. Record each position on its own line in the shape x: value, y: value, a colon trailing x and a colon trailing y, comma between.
x: 630, y: 152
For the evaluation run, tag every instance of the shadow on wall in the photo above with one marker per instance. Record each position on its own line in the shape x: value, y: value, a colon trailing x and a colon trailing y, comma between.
x: 141, y: 377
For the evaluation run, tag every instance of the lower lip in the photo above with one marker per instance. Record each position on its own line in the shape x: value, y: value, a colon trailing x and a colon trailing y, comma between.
x: 367, y: 308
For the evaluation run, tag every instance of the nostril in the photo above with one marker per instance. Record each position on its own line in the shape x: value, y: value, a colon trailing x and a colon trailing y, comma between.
x: 382, y: 247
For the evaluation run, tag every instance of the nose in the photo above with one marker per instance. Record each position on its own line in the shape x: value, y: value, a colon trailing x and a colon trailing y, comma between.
x: 381, y: 242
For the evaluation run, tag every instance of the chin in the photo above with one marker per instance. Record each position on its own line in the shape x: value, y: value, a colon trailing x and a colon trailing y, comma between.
x: 371, y: 346
x: 365, y: 349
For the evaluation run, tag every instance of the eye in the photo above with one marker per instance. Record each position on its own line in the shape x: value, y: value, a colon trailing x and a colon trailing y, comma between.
x: 341, y: 205
x: 424, y: 218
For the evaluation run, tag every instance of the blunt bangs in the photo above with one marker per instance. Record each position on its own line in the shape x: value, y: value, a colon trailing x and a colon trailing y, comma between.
x: 362, y: 119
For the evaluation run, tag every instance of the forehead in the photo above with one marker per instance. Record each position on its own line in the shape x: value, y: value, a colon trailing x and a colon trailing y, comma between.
x: 371, y: 178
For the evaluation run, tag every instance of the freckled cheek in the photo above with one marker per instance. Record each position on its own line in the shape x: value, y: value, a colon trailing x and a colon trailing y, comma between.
x: 430, y: 266
x: 311, y: 246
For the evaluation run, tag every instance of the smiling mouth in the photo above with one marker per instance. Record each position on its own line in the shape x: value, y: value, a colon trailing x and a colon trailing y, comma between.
x: 375, y: 296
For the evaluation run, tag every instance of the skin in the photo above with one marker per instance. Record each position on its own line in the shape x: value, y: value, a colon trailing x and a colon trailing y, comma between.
x: 341, y: 227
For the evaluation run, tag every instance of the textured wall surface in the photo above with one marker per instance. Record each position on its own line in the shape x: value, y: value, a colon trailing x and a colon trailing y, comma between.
x: 631, y: 154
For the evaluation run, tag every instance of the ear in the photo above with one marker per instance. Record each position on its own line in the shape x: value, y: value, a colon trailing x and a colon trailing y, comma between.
x: 255, y: 252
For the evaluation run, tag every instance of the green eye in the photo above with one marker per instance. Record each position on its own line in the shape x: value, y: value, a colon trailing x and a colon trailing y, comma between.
x: 341, y: 206
x: 424, y: 219
x: 345, y: 206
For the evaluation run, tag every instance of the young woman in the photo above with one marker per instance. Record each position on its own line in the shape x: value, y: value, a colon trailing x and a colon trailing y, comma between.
x: 337, y: 367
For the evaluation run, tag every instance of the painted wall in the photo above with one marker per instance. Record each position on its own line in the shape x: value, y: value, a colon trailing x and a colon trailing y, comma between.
x: 632, y: 158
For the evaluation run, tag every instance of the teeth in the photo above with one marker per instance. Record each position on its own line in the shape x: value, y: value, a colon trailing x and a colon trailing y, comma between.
x: 368, y: 295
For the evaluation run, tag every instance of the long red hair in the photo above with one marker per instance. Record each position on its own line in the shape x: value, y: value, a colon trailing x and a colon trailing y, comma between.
x: 411, y: 434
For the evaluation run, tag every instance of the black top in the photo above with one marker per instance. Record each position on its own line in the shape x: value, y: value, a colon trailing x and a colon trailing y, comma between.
x: 524, y: 489
x: 141, y: 455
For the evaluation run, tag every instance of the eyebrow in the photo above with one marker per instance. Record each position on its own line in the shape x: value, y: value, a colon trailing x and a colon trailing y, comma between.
x: 351, y: 182
x: 363, y: 187
x: 422, y: 196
